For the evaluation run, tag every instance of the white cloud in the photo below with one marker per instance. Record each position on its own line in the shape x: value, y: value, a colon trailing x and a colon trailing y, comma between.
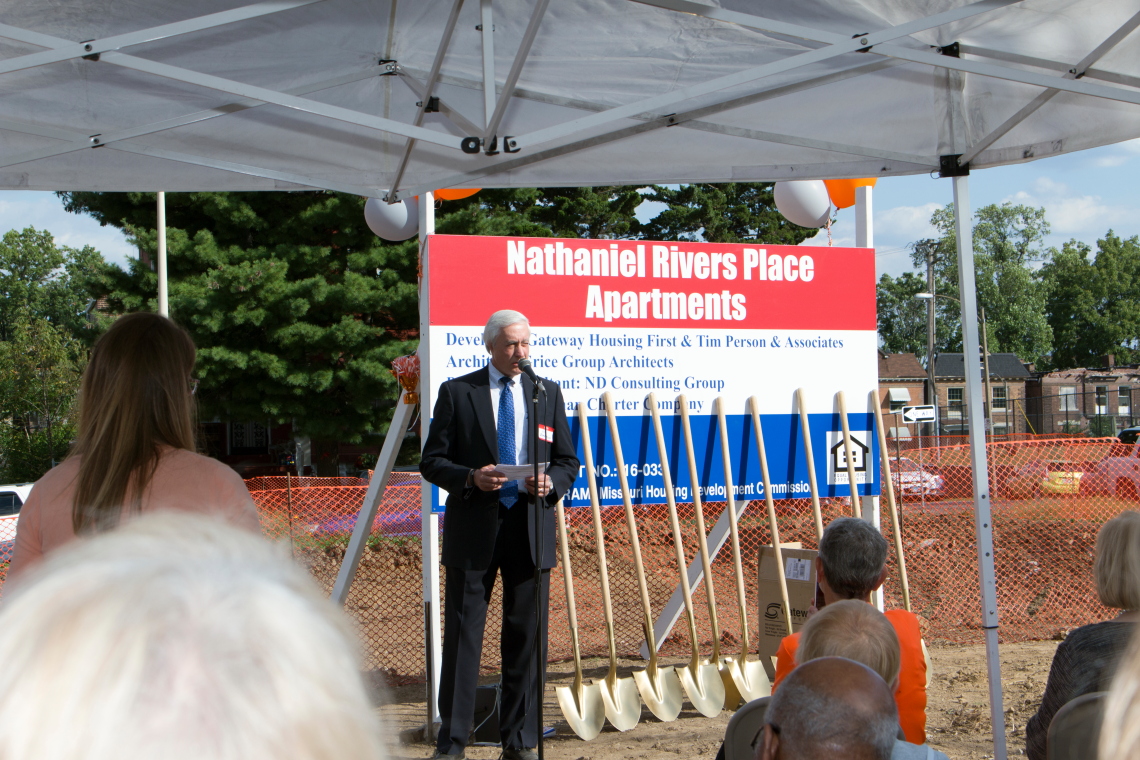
x: 1071, y: 214
x: 44, y: 211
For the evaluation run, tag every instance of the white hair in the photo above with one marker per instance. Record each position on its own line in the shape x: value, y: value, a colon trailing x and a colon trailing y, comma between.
x: 182, y: 638
x: 500, y: 321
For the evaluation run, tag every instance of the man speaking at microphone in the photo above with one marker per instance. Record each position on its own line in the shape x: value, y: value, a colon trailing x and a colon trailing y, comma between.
x: 482, y: 421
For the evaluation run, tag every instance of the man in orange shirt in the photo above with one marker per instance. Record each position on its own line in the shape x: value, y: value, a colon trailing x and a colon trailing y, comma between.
x: 851, y: 565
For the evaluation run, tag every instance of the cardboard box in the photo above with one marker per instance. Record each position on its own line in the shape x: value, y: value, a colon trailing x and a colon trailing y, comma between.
x: 799, y: 570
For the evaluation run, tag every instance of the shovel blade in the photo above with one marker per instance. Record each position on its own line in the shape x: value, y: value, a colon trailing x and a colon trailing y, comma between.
x: 584, y: 710
x: 623, y: 703
x: 662, y: 694
x: 750, y: 679
x: 704, y: 687
x: 732, y: 698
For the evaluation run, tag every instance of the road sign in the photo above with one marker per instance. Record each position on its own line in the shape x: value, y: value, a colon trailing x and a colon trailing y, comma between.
x: 920, y: 413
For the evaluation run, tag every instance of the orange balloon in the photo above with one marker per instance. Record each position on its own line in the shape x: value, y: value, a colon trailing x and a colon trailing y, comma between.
x: 455, y: 193
x: 842, y: 191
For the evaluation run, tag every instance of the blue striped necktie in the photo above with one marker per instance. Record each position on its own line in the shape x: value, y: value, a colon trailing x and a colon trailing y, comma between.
x: 509, y: 493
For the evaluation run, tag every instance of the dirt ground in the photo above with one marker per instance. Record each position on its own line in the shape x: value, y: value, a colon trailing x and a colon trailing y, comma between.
x: 958, y: 719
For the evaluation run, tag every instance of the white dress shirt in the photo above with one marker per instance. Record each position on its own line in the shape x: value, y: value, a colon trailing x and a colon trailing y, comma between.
x: 521, y: 435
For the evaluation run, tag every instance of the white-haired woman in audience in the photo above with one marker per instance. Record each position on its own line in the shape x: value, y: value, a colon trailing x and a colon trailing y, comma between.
x: 857, y: 631
x: 179, y: 637
x: 1086, y: 660
x: 1120, y: 728
x: 135, y: 450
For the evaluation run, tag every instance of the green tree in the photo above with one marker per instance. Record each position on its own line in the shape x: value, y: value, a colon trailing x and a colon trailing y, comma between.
x: 1007, y: 240
x: 1093, y: 303
x: 729, y: 213
x: 902, y: 317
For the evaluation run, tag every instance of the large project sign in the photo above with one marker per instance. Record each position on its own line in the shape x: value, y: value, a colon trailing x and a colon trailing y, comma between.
x: 687, y: 322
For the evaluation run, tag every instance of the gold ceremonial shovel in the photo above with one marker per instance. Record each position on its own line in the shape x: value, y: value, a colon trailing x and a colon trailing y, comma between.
x: 731, y: 695
x: 748, y: 676
x: 581, y: 703
x: 701, y: 678
x: 619, y: 695
x: 660, y: 688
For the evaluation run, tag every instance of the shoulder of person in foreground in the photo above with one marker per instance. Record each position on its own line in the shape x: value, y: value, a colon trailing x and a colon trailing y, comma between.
x: 240, y: 654
x: 907, y: 751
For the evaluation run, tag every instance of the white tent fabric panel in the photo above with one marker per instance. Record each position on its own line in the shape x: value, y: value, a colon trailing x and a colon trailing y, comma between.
x: 872, y: 113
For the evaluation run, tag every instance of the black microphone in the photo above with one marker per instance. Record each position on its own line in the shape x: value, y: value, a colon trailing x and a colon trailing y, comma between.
x: 528, y: 369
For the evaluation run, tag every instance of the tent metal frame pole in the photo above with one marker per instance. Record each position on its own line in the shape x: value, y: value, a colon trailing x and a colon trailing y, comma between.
x: 160, y: 259
x: 429, y: 520
x: 69, y: 49
x: 838, y: 46
x: 79, y: 142
x: 252, y: 92
x: 487, y: 30
x: 420, y: 89
x: 1045, y: 63
x: 521, y: 55
x: 425, y: 98
x: 1076, y: 72
x: 361, y: 531
x: 983, y: 513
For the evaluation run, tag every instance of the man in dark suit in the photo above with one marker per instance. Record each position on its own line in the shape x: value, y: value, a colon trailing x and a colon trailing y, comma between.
x: 482, y: 420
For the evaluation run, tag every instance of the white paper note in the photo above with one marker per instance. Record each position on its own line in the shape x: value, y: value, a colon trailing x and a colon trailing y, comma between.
x: 520, y: 471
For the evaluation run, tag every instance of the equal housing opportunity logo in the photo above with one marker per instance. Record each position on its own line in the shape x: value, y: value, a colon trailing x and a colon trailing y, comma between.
x: 860, y: 457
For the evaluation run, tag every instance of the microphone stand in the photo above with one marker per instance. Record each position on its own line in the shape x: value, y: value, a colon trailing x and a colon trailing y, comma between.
x: 540, y: 510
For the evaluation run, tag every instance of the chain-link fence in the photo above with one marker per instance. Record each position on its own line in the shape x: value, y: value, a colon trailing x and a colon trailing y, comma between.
x: 1050, y: 498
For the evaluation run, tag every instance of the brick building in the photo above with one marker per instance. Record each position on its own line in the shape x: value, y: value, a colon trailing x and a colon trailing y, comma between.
x: 1098, y: 400
x: 901, y: 382
x: 1008, y: 376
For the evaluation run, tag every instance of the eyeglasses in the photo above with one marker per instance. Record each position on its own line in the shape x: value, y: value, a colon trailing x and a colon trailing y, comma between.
x: 755, y: 743
x: 193, y: 385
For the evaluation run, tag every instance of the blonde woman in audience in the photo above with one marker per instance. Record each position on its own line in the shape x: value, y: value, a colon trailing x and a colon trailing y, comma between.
x: 857, y: 631
x: 179, y: 637
x: 1086, y: 660
x: 1120, y: 729
x: 135, y: 450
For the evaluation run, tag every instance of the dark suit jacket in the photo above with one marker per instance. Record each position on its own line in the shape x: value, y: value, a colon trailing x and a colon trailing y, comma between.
x: 462, y: 438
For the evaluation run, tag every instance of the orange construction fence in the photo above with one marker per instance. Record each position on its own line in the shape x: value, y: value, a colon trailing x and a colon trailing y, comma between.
x: 1049, y: 499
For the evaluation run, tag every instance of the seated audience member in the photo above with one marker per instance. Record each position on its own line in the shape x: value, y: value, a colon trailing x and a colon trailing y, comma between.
x: 852, y: 563
x: 830, y: 707
x: 859, y: 632
x: 135, y: 448
x: 1086, y: 660
x: 179, y: 637
x: 1120, y: 728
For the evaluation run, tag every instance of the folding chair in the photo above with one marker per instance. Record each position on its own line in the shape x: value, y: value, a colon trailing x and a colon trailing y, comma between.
x: 743, y: 728
x: 1075, y: 729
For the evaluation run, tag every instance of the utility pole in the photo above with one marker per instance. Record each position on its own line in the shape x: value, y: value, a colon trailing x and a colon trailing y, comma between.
x: 931, y: 388
x: 986, y: 371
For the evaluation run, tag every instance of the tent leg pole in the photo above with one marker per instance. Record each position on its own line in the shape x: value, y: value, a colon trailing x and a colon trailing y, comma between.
x: 160, y: 263
x: 983, y: 517
x: 429, y: 522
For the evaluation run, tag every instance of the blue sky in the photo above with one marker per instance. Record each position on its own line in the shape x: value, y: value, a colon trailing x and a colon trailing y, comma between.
x: 1085, y: 194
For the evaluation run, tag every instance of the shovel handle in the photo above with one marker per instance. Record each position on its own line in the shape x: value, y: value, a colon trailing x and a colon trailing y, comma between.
x: 631, y: 523
x: 599, y: 538
x: 856, y: 509
x: 754, y: 407
x: 890, y: 486
x: 682, y: 567
x: 571, y: 605
x: 699, y: 512
x: 733, y: 529
x: 812, y: 482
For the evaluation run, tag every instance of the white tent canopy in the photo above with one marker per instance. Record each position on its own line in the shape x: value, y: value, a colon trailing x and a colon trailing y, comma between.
x: 291, y: 94
x: 295, y: 94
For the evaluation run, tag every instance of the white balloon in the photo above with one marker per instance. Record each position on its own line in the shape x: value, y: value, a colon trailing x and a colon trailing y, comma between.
x: 393, y: 221
x: 804, y: 202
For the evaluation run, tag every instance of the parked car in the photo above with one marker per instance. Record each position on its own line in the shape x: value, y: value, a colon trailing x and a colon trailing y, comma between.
x: 1129, y: 435
x: 1118, y: 473
x: 12, y: 497
x: 911, y: 480
x: 1040, y: 477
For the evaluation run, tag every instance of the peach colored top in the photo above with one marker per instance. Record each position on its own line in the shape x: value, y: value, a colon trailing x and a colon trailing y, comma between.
x: 183, y: 480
